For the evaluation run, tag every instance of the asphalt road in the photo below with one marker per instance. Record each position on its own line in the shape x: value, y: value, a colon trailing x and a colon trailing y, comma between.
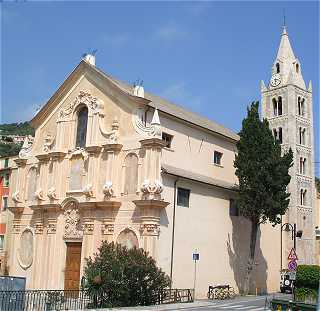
x: 241, y: 303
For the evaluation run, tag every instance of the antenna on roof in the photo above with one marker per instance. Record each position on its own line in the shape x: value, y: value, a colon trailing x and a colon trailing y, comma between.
x: 93, y: 52
x: 284, y: 18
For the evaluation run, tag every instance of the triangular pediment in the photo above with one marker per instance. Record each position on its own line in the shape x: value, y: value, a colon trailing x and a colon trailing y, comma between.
x: 94, y: 75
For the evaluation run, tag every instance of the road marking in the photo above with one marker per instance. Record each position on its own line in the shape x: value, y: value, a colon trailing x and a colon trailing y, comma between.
x: 259, y: 309
x: 243, y: 308
x: 233, y: 306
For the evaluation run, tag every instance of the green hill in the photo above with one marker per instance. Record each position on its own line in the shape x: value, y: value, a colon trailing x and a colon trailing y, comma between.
x: 20, y: 129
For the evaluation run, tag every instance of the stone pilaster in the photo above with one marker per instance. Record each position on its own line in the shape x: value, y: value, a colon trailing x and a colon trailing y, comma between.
x: 112, y: 174
x: 92, y: 182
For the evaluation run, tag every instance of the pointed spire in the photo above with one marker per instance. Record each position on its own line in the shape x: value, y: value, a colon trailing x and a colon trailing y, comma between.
x: 262, y: 86
x: 285, y: 51
x: 155, y: 118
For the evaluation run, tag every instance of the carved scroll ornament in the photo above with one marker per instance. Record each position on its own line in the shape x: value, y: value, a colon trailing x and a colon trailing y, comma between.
x: 88, y: 190
x: 113, y: 135
x: 84, y: 97
x: 48, y: 142
x: 16, y: 197
x: 152, y: 191
x: 52, y: 195
x: 26, y: 148
x: 39, y: 194
x: 107, y: 189
x: 73, y: 228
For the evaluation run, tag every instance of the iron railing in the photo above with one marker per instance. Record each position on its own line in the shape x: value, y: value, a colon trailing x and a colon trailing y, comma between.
x: 58, y: 300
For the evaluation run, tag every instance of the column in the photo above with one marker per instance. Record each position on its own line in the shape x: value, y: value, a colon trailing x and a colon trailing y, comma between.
x: 38, y: 255
x: 52, y: 273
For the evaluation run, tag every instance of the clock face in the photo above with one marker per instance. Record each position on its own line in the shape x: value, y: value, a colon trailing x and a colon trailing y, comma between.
x: 275, y: 80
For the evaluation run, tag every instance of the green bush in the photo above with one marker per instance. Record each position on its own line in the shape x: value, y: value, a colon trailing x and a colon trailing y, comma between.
x: 306, y: 294
x: 308, y: 276
x: 117, y: 276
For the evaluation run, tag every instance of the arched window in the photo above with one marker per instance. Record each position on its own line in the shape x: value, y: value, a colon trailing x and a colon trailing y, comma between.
x: 297, y: 68
x: 278, y: 67
x: 302, y: 106
x: 32, y: 183
x: 82, y: 127
x: 302, y: 169
x: 128, y: 238
x: 303, y: 196
x: 274, y: 102
x: 131, y: 174
x: 279, y: 106
x: 280, y: 135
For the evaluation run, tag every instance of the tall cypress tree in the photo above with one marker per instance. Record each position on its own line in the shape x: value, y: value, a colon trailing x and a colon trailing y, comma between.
x: 263, y: 174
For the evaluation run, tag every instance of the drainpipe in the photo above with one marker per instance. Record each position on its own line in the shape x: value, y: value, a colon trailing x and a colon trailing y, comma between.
x: 173, y: 227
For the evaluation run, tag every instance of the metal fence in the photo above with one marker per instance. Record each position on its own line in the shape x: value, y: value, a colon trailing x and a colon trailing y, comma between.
x: 58, y: 300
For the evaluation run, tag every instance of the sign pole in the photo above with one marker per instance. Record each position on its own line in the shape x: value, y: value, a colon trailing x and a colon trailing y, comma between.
x: 195, y: 276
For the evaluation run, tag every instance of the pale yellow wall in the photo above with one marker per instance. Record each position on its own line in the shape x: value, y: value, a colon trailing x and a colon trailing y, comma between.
x: 193, y: 148
x: 222, y: 241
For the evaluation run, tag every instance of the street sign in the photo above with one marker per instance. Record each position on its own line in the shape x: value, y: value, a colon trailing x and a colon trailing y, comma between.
x: 292, y: 255
x: 292, y: 265
x: 292, y: 275
x: 195, y: 256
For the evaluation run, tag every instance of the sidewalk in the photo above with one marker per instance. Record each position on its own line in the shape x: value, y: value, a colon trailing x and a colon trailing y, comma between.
x: 172, y: 306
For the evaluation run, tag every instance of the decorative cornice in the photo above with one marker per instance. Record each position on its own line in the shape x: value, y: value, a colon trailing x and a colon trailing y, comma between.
x: 158, y: 204
x: 112, y: 147
x: 38, y: 228
x: 20, y: 162
x: 88, y: 228
x: 93, y: 149
x: 107, y: 229
x: 150, y: 229
x: 43, y: 158
x: 153, y: 142
x: 55, y: 154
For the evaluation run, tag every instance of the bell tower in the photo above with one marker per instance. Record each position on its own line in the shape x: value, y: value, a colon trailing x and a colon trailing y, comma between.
x: 287, y: 104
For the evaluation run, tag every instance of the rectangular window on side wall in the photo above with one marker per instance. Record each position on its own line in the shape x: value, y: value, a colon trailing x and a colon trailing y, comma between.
x: 6, y: 163
x: 183, y: 198
x: 4, y: 203
x: 217, y: 158
x: 1, y: 242
x: 233, y: 208
x: 167, y: 138
x: 6, y: 180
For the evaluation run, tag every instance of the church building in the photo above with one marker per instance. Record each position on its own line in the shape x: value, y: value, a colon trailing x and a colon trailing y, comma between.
x: 112, y: 162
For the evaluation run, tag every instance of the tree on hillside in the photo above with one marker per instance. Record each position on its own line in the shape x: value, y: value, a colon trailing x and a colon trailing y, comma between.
x: 263, y: 175
x: 118, y: 276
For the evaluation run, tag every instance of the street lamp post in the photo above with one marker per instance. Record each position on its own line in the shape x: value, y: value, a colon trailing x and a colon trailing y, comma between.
x: 293, y: 228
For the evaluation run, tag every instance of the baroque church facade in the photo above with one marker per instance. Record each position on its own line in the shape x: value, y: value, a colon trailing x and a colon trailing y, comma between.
x: 112, y: 162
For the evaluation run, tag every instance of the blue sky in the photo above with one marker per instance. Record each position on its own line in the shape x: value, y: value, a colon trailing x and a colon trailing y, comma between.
x: 206, y: 56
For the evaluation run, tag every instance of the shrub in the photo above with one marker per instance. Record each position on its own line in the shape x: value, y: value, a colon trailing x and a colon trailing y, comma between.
x: 306, y: 294
x: 118, y: 276
x: 308, y: 276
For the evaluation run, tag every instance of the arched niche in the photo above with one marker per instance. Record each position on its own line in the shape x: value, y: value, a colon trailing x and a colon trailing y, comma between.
x: 128, y: 239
